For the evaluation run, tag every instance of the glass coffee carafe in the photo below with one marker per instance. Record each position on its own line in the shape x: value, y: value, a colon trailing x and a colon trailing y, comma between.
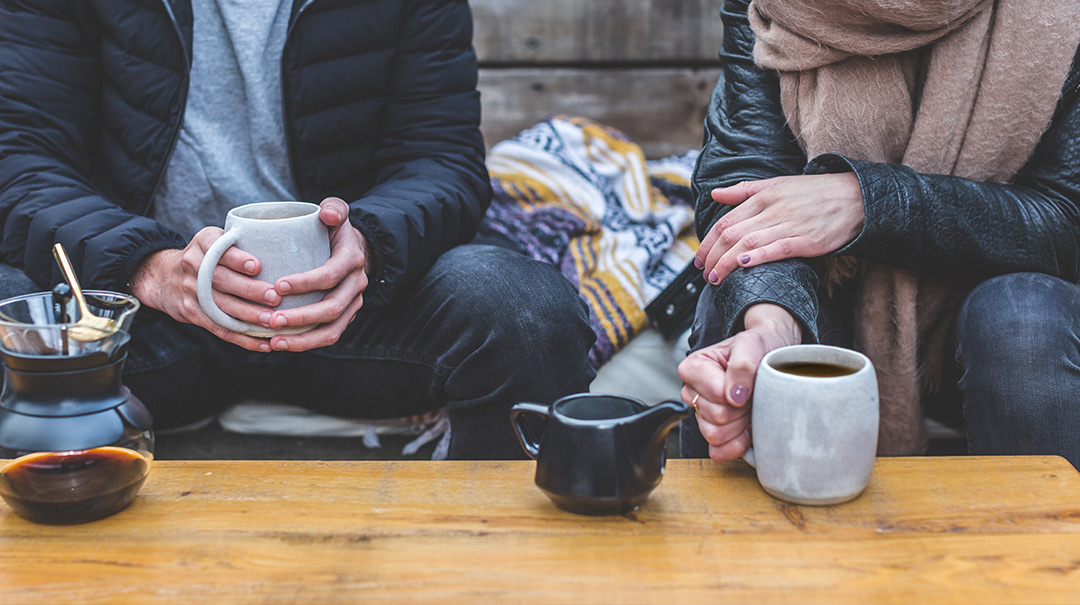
x: 76, y: 444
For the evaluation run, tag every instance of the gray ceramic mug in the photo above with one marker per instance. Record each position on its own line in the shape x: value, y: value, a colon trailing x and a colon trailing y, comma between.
x: 814, y: 436
x: 286, y: 237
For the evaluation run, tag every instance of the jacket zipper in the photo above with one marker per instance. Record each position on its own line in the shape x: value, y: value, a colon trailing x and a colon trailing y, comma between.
x: 285, y: 108
x: 183, y: 103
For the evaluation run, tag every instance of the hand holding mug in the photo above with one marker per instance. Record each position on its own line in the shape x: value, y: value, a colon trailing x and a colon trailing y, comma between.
x: 343, y: 278
x: 320, y: 275
x: 167, y: 281
x: 719, y: 379
x: 287, y: 238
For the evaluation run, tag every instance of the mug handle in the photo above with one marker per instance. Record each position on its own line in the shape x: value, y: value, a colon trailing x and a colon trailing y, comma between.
x: 205, y: 288
x: 525, y: 436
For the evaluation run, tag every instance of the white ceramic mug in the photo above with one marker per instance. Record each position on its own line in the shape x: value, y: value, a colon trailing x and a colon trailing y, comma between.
x: 286, y: 237
x: 814, y: 438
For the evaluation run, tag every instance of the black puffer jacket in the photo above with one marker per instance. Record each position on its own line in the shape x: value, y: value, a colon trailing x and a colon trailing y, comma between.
x: 931, y: 224
x: 381, y: 110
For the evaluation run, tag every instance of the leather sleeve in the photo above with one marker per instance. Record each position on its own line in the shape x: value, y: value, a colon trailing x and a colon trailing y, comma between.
x: 432, y: 186
x: 746, y: 138
x: 950, y: 226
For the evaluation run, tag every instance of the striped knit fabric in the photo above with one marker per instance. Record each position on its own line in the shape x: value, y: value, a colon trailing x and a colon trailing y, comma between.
x: 581, y: 196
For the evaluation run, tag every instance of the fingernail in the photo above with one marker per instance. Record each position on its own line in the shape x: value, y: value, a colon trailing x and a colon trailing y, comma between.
x: 739, y: 393
x: 249, y: 266
x: 745, y: 258
x: 264, y: 319
x: 284, y: 287
x: 713, y: 277
x: 700, y: 264
x: 281, y: 344
x: 270, y: 296
x: 265, y: 347
x: 280, y: 321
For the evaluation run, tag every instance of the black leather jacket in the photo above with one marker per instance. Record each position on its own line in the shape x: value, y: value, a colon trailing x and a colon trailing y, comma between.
x: 930, y: 224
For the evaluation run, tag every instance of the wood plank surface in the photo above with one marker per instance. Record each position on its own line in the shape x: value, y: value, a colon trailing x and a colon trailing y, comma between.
x: 927, y: 530
x: 661, y: 109
x: 576, y: 31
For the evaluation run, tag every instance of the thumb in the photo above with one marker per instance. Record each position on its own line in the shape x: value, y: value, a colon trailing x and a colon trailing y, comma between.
x: 333, y: 211
x: 746, y: 352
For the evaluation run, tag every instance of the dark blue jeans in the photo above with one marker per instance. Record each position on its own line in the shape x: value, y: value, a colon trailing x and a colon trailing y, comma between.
x: 1018, y: 345
x: 484, y: 329
x: 1018, y: 363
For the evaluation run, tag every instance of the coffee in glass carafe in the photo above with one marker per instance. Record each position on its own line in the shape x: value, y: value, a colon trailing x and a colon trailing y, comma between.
x: 77, y: 445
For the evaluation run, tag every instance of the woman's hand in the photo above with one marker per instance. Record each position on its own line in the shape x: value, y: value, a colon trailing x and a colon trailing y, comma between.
x: 166, y: 281
x: 719, y: 380
x: 343, y: 276
x: 802, y: 216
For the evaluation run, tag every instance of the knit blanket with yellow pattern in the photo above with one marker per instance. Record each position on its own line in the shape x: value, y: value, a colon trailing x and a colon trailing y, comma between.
x: 581, y: 196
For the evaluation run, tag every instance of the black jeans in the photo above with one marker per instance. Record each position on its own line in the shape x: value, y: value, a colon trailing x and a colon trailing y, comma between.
x: 1018, y: 344
x: 485, y: 328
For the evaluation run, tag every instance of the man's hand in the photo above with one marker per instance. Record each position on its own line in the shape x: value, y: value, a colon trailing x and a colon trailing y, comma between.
x: 802, y: 216
x: 344, y: 277
x: 719, y: 380
x: 166, y: 281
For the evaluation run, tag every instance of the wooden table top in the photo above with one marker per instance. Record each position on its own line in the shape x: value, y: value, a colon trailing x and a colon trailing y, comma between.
x: 927, y: 530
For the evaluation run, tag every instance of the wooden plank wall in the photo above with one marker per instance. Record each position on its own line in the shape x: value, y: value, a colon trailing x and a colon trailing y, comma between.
x: 645, y: 67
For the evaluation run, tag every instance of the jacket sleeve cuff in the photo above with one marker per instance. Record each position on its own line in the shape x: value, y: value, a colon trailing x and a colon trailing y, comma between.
x: 127, y: 268
x: 368, y: 226
x: 791, y: 284
x: 877, y: 186
x: 126, y: 272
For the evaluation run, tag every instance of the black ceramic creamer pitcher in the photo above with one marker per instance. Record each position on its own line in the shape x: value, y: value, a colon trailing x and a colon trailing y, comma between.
x: 597, y: 454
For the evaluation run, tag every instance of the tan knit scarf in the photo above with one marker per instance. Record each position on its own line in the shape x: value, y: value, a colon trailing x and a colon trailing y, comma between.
x: 850, y: 71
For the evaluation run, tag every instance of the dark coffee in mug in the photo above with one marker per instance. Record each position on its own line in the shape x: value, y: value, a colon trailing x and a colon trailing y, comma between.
x: 73, y: 487
x: 816, y: 369
x: 815, y: 424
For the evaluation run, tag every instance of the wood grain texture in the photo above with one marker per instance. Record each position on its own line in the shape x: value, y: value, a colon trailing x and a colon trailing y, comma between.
x: 575, y: 31
x: 645, y: 67
x: 934, y: 530
x: 662, y: 109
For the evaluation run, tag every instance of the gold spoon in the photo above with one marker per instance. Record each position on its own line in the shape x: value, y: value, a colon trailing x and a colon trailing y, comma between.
x: 90, y: 327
